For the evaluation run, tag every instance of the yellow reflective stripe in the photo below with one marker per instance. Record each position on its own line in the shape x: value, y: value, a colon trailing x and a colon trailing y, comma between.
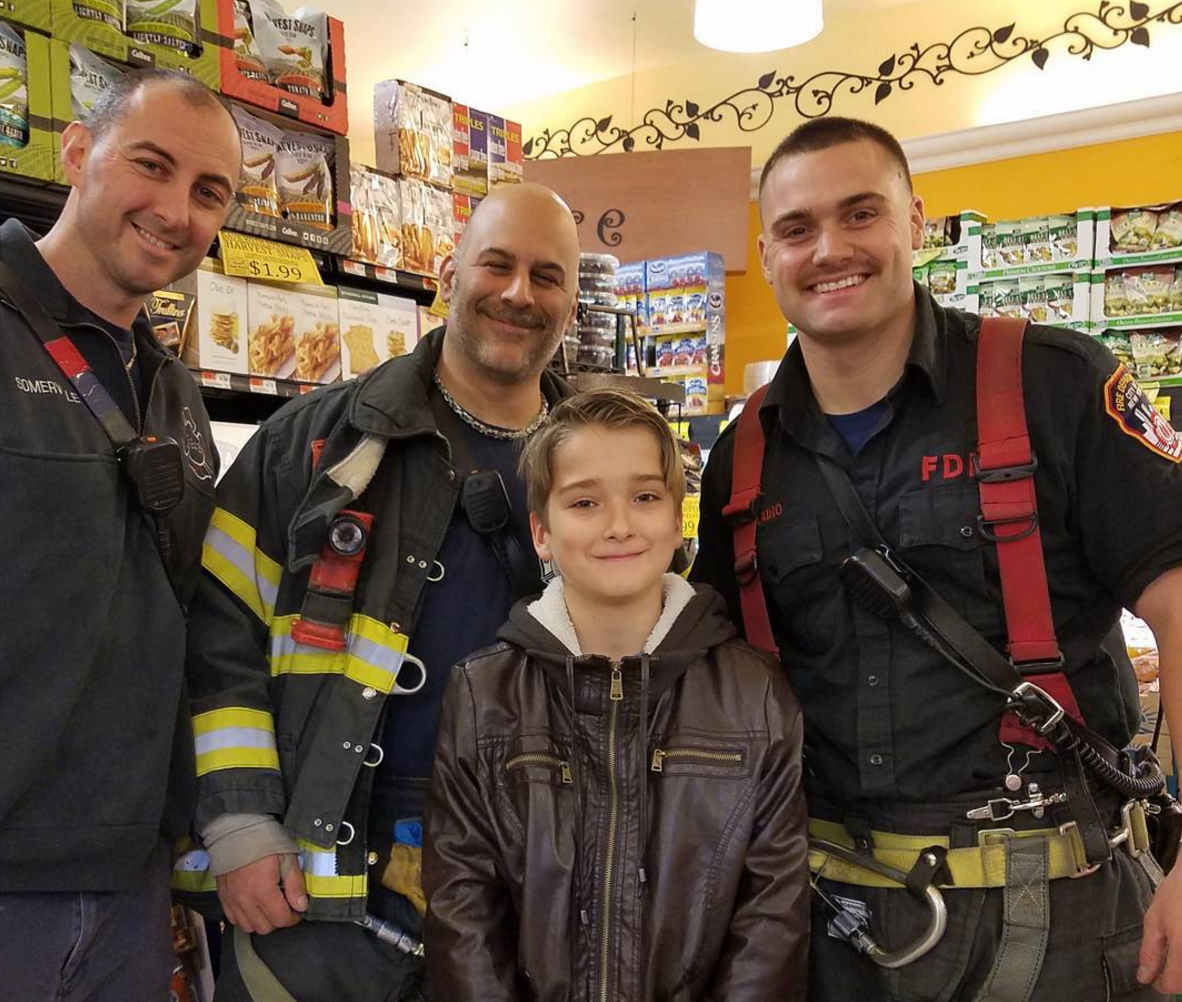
x: 231, y: 554
x: 236, y: 737
x: 373, y: 657
x: 321, y: 878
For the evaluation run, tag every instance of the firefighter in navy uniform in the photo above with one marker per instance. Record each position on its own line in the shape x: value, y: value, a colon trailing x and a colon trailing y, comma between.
x: 369, y: 536
x: 904, y: 751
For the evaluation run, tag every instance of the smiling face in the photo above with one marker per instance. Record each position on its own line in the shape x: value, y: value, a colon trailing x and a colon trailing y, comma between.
x: 151, y: 190
x: 839, y: 225
x: 612, y: 524
x: 512, y: 284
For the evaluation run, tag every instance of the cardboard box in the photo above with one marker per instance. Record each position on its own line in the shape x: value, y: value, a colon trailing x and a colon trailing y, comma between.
x: 332, y: 113
x: 470, y: 163
x: 506, y: 161
x: 1108, y: 255
x: 201, y: 59
x: 222, y: 312
x: 462, y: 206
x: 271, y: 322
x: 28, y: 14
x: 38, y: 157
x: 317, y: 335
x: 338, y: 240
x: 413, y: 131
x: 97, y: 24
x: 375, y: 327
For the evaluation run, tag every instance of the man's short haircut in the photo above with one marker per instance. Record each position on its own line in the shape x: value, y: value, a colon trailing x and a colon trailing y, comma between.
x: 823, y: 133
x: 111, y: 107
x: 607, y: 408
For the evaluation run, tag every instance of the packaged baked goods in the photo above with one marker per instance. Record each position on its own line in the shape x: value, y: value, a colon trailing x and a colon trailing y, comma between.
x: 257, y: 187
x: 1169, y: 230
x: 418, y: 249
x: 1156, y: 354
x: 414, y: 131
x: 318, y: 339
x: 171, y: 23
x: 108, y: 12
x: 220, y: 344
x: 1033, y: 294
x: 14, y: 90
x: 1011, y: 244
x: 1116, y: 301
x: 935, y: 232
x: 440, y: 223
x: 1060, y: 297
x: 247, y: 55
x: 987, y: 299
x: 942, y: 277
x: 1118, y: 343
x: 169, y: 313
x: 920, y: 275
x: 1156, y: 281
x: 1036, y: 240
x: 990, y: 253
x: 437, y: 126
x: 271, y: 338
x: 1176, y: 292
x: 1133, y: 229
x: 1136, y: 295
x: 292, y: 46
x: 1064, y: 237
x: 89, y: 77
x: 377, y: 218
x: 303, y: 166
x: 1007, y: 299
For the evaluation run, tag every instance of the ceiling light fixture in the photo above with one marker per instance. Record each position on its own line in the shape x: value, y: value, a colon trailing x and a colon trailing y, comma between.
x: 756, y: 25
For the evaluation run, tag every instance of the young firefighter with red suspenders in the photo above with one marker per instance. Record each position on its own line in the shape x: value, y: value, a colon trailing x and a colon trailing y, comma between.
x: 936, y: 521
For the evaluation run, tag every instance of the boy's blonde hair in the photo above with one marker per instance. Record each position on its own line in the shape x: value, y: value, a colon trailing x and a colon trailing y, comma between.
x: 607, y: 408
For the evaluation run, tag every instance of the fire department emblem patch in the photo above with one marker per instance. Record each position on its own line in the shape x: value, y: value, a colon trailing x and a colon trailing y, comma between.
x: 1127, y: 404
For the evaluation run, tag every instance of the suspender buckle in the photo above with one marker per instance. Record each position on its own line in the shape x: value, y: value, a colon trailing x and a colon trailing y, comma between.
x: 747, y: 568
x: 741, y: 509
x: 1002, y: 474
x: 986, y: 526
x: 1036, y: 707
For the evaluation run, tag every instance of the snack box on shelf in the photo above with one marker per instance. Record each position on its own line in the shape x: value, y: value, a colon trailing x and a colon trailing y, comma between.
x: 1039, y: 245
x: 338, y: 240
x: 97, y: 24
x: 414, y: 132
x: 950, y: 238
x: 197, y: 52
x: 1143, y: 296
x: 222, y: 310
x: 293, y: 332
x: 1138, y: 235
x: 374, y: 327
x: 506, y: 160
x: 37, y: 158
x: 329, y: 111
x: 469, y: 150
x: 1150, y: 355
x: 28, y: 13
x: 1056, y: 300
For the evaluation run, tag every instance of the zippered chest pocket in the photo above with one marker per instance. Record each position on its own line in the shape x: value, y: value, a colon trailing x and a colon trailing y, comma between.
x: 548, y: 766
x: 695, y: 758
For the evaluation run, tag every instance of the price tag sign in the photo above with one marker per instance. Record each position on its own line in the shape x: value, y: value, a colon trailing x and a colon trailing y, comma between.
x: 681, y: 429
x: 691, y: 509
x: 264, y: 386
x: 216, y: 380
x: 254, y: 257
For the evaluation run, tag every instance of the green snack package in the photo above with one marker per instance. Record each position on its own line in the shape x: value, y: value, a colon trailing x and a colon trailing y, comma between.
x: 89, y: 77
x: 14, y: 90
x: 171, y: 23
x: 942, y: 277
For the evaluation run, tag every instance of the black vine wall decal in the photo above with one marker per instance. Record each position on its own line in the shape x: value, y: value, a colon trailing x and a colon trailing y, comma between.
x: 973, y: 52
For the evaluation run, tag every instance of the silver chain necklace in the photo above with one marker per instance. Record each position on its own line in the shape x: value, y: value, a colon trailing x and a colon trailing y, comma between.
x: 491, y: 430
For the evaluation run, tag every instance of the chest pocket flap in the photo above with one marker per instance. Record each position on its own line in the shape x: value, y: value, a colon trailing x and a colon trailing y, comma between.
x: 941, y: 516
x: 787, y: 546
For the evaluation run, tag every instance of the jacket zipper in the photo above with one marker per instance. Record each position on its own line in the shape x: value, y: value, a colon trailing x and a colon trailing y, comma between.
x: 541, y: 758
x: 694, y: 754
x: 616, y: 696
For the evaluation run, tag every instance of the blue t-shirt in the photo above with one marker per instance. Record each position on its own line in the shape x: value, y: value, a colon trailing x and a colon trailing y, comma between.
x: 460, y: 613
x: 856, y: 429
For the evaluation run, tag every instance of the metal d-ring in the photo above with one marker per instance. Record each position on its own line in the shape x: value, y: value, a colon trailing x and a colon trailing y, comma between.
x: 377, y: 761
x: 352, y: 833
x: 399, y: 690
x: 442, y: 570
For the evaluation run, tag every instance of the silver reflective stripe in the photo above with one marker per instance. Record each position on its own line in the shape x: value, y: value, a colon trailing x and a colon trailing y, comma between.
x: 319, y: 864
x: 234, y: 737
x: 243, y: 561
x: 376, y: 655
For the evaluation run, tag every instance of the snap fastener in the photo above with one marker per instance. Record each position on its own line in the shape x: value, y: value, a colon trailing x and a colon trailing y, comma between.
x: 423, y: 564
x: 368, y: 693
x: 346, y: 746
x: 318, y: 822
x: 410, y: 559
x: 329, y: 828
x: 876, y: 759
x: 966, y: 531
x: 872, y: 680
x: 359, y: 748
x: 451, y: 476
x: 372, y: 859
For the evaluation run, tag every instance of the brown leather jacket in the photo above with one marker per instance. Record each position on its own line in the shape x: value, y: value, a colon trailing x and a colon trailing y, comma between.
x: 650, y: 847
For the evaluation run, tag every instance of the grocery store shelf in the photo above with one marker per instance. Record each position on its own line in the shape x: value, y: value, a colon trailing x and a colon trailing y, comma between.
x: 669, y: 330
x: 653, y: 389
x: 349, y: 270
x: 1109, y: 261
x: 1144, y: 321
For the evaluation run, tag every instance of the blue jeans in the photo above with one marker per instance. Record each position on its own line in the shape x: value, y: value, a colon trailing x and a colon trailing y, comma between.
x: 108, y: 946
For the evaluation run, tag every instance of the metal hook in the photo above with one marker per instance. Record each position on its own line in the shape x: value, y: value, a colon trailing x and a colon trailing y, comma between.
x: 352, y: 833
x: 442, y: 570
x: 399, y: 690
x: 376, y: 762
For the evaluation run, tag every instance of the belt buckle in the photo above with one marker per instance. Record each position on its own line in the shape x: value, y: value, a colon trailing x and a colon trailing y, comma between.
x: 1125, y: 835
x: 994, y: 836
x: 1075, y: 841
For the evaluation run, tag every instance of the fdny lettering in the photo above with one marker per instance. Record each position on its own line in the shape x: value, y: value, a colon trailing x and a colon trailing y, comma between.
x: 949, y: 466
x: 770, y: 512
x: 1126, y: 403
x: 46, y: 386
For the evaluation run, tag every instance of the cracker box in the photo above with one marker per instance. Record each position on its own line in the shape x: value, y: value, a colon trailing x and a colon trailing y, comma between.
x: 462, y: 209
x: 400, y: 324
x: 506, y: 162
x: 271, y: 323
x: 222, y: 308
x: 317, y: 335
x: 361, y: 320
x: 470, y: 150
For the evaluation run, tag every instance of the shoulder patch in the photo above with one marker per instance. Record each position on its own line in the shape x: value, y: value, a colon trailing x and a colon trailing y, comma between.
x: 1126, y: 403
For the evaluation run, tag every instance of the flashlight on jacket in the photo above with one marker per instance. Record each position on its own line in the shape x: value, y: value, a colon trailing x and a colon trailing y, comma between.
x: 387, y: 932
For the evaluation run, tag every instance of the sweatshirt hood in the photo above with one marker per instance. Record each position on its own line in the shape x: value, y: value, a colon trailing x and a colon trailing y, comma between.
x: 693, y: 620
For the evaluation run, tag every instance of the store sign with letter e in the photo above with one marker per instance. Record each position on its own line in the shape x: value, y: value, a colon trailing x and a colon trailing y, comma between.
x: 1131, y: 408
x: 651, y: 205
x: 253, y: 257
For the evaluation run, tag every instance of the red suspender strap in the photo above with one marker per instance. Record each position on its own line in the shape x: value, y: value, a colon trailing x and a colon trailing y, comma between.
x: 742, y: 516
x: 1004, y: 468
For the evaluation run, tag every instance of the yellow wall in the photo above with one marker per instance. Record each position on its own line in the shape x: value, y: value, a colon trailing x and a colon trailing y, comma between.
x: 1131, y: 172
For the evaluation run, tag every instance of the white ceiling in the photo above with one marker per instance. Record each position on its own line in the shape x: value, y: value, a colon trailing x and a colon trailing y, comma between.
x: 495, y: 54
